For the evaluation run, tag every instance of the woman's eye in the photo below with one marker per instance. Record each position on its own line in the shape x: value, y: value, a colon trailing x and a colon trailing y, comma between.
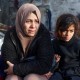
x: 31, y: 21
x: 27, y: 21
x: 36, y: 21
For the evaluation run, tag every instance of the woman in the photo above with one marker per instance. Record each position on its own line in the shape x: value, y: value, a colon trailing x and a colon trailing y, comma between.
x: 67, y: 45
x: 27, y: 49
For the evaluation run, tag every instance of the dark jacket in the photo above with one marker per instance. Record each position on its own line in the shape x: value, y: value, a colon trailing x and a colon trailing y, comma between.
x: 70, y: 55
x: 38, y: 59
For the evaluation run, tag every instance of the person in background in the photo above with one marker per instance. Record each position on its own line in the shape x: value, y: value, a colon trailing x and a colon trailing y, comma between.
x: 67, y: 45
x: 27, y: 49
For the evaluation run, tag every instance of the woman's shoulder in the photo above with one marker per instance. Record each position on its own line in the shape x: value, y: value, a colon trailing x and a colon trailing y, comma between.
x: 11, y: 30
x: 43, y: 29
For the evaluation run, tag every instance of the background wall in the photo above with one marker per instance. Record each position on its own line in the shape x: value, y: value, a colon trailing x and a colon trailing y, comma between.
x: 59, y: 7
x: 56, y: 7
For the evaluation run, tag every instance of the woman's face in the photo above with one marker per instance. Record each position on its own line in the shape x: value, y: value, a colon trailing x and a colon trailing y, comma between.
x: 67, y: 34
x: 31, y: 25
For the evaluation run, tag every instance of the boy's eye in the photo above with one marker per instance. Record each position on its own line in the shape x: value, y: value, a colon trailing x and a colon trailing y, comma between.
x: 71, y: 30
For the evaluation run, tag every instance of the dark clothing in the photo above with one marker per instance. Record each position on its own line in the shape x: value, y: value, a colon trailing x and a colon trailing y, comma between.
x: 38, y: 58
x: 69, y: 64
x: 54, y: 66
x: 56, y: 76
x: 2, y: 74
x: 72, y: 78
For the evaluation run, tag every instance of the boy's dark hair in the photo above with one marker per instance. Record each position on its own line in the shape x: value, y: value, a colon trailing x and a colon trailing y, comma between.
x: 78, y: 16
x: 63, y: 23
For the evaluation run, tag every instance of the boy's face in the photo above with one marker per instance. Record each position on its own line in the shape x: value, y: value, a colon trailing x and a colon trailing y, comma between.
x: 68, y: 33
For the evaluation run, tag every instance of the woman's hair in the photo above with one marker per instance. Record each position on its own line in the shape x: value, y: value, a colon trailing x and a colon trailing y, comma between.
x: 22, y: 14
x: 63, y: 23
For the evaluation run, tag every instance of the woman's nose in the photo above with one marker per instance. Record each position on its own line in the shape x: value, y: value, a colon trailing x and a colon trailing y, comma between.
x: 33, y: 24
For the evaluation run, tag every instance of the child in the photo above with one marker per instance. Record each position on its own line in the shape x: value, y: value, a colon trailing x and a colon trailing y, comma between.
x: 67, y: 45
